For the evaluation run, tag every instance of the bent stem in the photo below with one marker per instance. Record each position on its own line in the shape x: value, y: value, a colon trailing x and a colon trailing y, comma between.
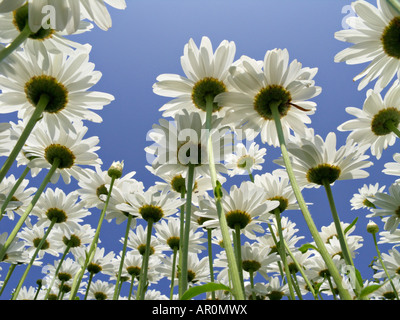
x: 344, y: 294
x: 40, y: 107
x: 121, y: 264
x: 390, y: 125
x: 13, y: 190
x: 145, y: 266
x: 28, y: 268
x: 185, y: 242
x: 79, y: 276
x: 233, y: 268
x: 15, y: 44
x: 28, y: 210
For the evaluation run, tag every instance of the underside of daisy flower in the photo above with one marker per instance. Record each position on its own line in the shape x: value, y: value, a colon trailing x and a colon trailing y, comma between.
x: 57, y: 215
x: 390, y: 38
x: 272, y: 94
x: 380, y: 122
x: 148, y: 211
x: 237, y: 217
x: 65, y: 155
x: 323, y: 173
x: 207, y: 87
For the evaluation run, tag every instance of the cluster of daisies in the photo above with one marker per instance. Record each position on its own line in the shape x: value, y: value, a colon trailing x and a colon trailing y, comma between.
x: 192, y: 228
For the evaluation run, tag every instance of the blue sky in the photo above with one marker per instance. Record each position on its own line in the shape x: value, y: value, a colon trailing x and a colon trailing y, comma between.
x: 147, y: 39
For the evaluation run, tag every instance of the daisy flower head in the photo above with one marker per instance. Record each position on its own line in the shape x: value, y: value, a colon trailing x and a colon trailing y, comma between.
x: 44, y: 40
x: 374, y: 124
x: 184, y: 141
x: 63, y: 79
x: 365, y: 194
x: 101, y: 290
x: 64, y: 209
x: 206, y: 74
x: 16, y: 252
x: 244, y: 206
x: 387, y: 206
x: 317, y: 161
x: 44, y: 147
x: 392, y: 168
x: 374, y: 32
x: 245, y: 159
x: 259, y: 86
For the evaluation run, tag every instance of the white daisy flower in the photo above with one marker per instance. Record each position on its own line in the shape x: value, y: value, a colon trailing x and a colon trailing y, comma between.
x: 364, y: 195
x: 76, y: 239
x: 137, y: 242
x: 101, y: 290
x: 276, y: 290
x: 275, y: 81
x: 392, y: 168
x: 374, y: 123
x: 44, y: 40
x: 374, y: 33
x: 385, y: 291
x: 245, y: 160
x: 317, y: 161
x: 277, y: 187
x: 390, y: 237
x: 185, y: 141
x: 71, y: 149
x: 65, y: 209
x: 16, y: 252
x: 391, y: 261
x: 245, y: 207
x: 206, y: 74
x: 64, y: 79
x: 388, y: 207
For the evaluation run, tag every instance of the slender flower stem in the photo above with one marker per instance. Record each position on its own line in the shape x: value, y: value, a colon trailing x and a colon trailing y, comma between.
x: 210, y: 259
x: 384, y: 267
x: 238, y: 252
x: 339, y: 230
x: 181, y: 236
x: 121, y: 264
x: 88, y: 285
x: 28, y: 210
x: 16, y: 43
x: 185, y: 242
x: 171, y: 295
x: 93, y: 246
x: 38, y: 248
x: 253, y: 294
x: 301, y: 270
x: 390, y: 125
x: 58, y: 269
x: 334, y: 272
x: 8, y: 276
x: 40, y: 285
x: 40, y: 107
x: 282, y: 252
x: 233, y: 268
x: 144, y: 270
x: 13, y: 190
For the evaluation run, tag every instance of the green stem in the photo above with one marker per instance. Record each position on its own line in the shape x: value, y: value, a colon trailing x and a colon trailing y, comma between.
x: 88, y: 285
x: 38, y: 291
x: 58, y: 269
x: 185, y: 242
x: 13, y: 190
x: 253, y: 294
x: 93, y: 246
x: 210, y: 259
x: 121, y: 264
x: 390, y: 125
x: 344, y: 294
x: 282, y: 252
x: 250, y: 175
x: 181, y: 235
x: 40, y: 107
x: 238, y: 253
x: 144, y: 270
x: 171, y: 295
x: 38, y: 248
x: 28, y: 210
x: 384, y: 267
x: 131, y: 287
x: 233, y: 268
x: 16, y: 43
x: 8, y: 276
x: 301, y: 270
x: 339, y: 230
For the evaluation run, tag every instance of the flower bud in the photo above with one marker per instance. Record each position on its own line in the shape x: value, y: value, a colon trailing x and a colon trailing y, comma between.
x: 372, y: 227
x: 115, y: 170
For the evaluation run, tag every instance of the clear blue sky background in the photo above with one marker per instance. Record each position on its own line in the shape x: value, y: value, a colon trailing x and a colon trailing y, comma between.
x: 147, y: 39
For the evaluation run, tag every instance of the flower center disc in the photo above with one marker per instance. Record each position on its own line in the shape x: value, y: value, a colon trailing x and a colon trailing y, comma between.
x: 390, y: 38
x: 48, y: 85
x: 207, y: 87
x: 178, y: 184
x: 382, y: 118
x: 283, y: 203
x: 173, y: 242
x: 237, y: 217
x: 250, y: 265
x: 152, y: 212
x: 271, y: 94
x: 67, y: 158
x: 21, y: 18
x: 57, y: 214
x: 323, y: 172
